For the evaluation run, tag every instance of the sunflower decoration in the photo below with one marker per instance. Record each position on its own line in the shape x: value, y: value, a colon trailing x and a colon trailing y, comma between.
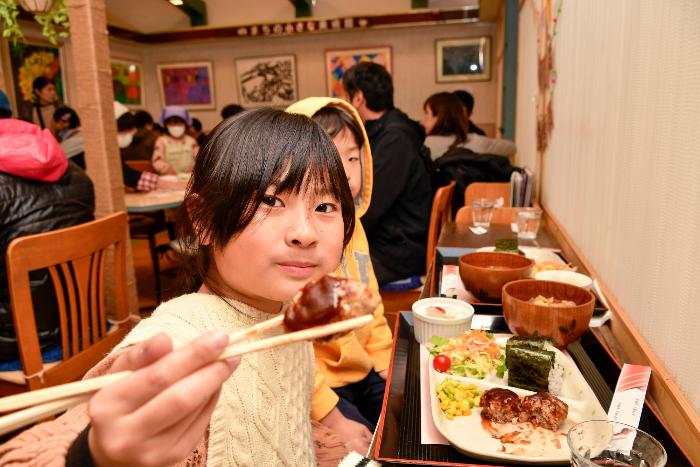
x: 37, y: 64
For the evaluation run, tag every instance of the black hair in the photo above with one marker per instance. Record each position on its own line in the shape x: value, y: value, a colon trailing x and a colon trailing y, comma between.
x: 157, y: 128
x: 5, y: 113
x: 467, y: 100
x: 231, y: 110
x: 142, y: 118
x: 334, y: 120
x: 196, y: 124
x: 126, y: 122
x: 40, y: 82
x: 242, y: 157
x: 66, y: 113
x: 375, y: 83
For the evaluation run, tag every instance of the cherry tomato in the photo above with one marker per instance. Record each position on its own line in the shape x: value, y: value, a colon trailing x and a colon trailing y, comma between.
x: 442, y: 363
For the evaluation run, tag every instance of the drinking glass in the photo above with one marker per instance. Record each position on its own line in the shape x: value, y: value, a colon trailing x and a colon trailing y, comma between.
x: 602, y: 442
x: 528, y: 223
x: 482, y: 212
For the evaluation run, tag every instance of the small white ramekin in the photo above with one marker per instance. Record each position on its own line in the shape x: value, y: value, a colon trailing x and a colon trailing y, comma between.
x: 425, y: 327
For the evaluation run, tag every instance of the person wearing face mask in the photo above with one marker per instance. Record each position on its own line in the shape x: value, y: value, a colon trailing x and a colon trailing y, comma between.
x: 175, y: 151
x: 140, y: 181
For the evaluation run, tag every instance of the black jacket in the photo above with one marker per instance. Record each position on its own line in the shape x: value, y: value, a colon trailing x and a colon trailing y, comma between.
x: 28, y: 207
x: 397, y: 220
x: 465, y: 166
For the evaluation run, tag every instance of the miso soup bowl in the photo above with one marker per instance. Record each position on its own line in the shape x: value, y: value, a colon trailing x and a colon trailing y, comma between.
x: 484, y: 274
x: 563, y: 324
x: 426, y: 326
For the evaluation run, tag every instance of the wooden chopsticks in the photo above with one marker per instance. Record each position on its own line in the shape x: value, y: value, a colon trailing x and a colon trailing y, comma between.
x: 45, y: 402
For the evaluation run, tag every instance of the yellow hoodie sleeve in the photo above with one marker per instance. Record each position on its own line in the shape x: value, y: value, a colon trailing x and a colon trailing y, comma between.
x: 323, y: 399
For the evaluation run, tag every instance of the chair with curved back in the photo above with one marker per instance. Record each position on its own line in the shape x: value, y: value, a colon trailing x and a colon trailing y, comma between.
x: 439, y: 214
x: 75, y: 258
x: 488, y: 190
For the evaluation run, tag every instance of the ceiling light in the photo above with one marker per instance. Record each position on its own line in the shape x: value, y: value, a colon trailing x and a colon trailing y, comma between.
x: 176, y: 2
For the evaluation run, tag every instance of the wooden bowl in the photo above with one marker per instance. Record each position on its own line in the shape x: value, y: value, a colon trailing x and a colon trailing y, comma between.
x: 563, y: 324
x: 485, y: 273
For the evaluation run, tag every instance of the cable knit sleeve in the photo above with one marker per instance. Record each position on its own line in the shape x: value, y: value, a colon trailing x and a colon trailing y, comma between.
x: 47, y: 444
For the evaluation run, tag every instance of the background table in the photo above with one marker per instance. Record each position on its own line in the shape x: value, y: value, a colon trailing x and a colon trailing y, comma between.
x: 153, y: 200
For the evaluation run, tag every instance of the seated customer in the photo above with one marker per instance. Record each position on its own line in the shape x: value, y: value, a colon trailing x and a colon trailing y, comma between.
x: 144, y: 141
x: 40, y: 191
x: 467, y: 101
x: 446, y: 127
x: 459, y: 156
x: 397, y: 220
x: 68, y: 132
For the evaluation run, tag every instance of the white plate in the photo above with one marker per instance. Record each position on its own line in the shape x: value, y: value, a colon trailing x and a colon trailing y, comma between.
x: 466, y: 433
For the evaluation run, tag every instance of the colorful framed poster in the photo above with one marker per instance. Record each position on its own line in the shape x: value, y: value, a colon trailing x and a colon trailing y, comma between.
x: 189, y: 85
x: 127, y: 82
x: 27, y: 62
x: 466, y: 59
x: 267, y: 81
x: 338, y: 61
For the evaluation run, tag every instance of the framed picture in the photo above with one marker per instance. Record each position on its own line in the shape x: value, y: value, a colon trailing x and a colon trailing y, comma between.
x: 27, y: 62
x: 127, y: 82
x: 267, y: 81
x: 189, y: 85
x: 467, y: 59
x: 338, y: 61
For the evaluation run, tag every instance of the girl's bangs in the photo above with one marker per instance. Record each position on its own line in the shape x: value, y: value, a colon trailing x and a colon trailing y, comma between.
x: 310, y: 172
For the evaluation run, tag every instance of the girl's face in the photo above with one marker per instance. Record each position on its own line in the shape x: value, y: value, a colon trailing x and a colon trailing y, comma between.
x: 429, y: 120
x: 293, y: 239
x: 350, y: 155
x: 176, y: 127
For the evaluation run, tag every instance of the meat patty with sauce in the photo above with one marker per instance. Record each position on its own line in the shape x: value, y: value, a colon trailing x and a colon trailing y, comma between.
x: 500, y: 405
x: 543, y: 409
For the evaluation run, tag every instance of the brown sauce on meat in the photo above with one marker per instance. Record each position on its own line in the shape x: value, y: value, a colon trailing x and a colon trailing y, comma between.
x: 318, y: 304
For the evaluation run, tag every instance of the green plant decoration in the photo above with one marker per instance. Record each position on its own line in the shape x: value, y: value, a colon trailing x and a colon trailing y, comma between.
x: 54, y: 23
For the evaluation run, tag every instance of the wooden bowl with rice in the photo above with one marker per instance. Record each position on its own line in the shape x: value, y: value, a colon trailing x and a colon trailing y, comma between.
x: 536, y: 308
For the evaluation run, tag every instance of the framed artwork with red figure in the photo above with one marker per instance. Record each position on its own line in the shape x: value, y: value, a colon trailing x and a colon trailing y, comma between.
x: 127, y: 82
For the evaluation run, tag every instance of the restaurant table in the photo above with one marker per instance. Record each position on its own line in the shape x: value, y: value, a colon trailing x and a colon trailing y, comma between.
x: 397, y: 440
x: 155, y: 200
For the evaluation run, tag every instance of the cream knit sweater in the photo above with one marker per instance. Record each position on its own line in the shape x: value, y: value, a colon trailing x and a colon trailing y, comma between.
x: 262, y: 416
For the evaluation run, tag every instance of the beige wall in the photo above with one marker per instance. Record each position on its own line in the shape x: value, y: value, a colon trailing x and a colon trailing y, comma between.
x: 413, y: 52
x: 621, y: 172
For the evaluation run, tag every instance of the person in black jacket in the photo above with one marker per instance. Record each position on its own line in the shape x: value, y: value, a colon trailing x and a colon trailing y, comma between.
x: 397, y: 220
x: 44, y: 192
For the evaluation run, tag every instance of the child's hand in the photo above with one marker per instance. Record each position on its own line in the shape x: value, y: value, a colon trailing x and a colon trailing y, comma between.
x: 355, y: 435
x: 157, y: 415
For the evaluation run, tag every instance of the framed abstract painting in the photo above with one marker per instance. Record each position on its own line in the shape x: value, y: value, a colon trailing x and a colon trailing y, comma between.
x: 189, y: 85
x: 338, y: 61
x: 127, y: 82
x: 267, y: 81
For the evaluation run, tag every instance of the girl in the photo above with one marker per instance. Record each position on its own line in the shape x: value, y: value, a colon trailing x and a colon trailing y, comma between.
x: 175, y: 151
x: 271, y: 209
x: 351, y: 370
x: 446, y: 127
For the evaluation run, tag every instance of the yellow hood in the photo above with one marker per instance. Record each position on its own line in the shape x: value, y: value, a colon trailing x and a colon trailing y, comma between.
x: 312, y: 105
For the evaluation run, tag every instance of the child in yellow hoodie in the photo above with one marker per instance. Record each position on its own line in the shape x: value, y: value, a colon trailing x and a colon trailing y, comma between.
x: 351, y: 370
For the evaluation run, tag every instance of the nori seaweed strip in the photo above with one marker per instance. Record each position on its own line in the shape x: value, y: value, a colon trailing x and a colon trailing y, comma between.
x: 529, y: 369
x: 534, y: 343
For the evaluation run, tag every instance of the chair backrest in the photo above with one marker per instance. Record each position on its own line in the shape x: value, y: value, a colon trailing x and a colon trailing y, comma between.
x: 488, y: 190
x: 500, y: 215
x: 141, y: 166
x: 439, y: 214
x: 75, y: 258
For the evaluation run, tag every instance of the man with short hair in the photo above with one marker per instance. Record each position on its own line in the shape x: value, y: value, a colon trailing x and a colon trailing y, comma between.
x: 467, y: 101
x: 397, y: 220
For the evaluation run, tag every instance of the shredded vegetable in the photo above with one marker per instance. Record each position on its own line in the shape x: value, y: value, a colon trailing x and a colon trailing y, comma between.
x: 474, y: 354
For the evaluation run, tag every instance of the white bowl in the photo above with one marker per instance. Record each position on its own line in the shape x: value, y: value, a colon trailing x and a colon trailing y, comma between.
x: 426, y: 326
x: 567, y: 277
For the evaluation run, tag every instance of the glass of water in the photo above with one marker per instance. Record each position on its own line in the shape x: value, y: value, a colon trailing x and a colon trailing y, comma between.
x: 528, y: 223
x: 482, y: 212
x: 601, y: 442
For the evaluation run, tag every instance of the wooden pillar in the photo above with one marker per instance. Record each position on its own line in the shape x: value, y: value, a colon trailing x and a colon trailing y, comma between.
x: 93, y: 76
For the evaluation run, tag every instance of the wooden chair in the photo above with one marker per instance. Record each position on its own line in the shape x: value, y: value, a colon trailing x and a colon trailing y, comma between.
x: 500, y: 215
x: 440, y: 213
x: 488, y: 190
x: 75, y: 257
